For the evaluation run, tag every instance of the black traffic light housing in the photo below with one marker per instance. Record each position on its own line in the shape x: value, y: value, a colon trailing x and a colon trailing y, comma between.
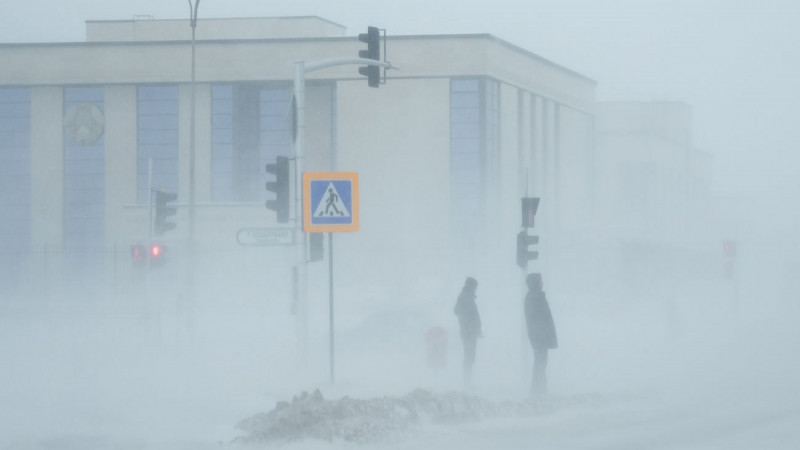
x: 529, y: 207
x: 163, y: 212
x: 373, y: 40
x: 315, y: 247
x: 280, y: 168
x: 524, y: 253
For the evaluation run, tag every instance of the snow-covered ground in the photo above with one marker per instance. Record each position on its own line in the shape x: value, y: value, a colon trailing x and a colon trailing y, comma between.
x: 696, y: 372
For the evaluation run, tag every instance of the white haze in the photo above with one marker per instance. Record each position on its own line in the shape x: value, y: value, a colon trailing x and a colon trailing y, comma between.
x: 687, y: 361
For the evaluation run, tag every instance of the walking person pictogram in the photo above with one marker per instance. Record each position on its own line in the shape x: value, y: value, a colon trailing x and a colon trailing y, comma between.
x: 331, y: 203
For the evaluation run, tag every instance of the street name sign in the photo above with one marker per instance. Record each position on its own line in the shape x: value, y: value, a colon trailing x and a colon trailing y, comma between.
x: 265, y: 236
x: 330, y: 202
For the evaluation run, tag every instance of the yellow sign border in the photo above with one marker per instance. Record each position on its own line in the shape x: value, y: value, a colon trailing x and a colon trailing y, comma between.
x: 332, y: 176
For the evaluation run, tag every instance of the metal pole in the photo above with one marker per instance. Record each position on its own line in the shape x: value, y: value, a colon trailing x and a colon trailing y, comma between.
x: 149, y: 210
x: 299, y: 156
x: 300, y: 69
x: 524, y: 351
x: 193, y: 20
x: 147, y: 287
x: 330, y: 298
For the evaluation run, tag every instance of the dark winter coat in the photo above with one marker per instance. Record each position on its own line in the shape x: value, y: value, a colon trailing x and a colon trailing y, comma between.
x: 468, y: 317
x: 541, y: 329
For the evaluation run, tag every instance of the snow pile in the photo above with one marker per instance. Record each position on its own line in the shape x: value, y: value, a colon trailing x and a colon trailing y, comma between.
x: 369, y: 420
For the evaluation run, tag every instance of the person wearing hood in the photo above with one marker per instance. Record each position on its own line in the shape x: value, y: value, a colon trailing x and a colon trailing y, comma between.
x: 469, y: 321
x: 541, y: 331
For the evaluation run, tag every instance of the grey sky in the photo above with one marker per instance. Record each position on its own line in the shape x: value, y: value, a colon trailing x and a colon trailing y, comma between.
x: 737, y: 62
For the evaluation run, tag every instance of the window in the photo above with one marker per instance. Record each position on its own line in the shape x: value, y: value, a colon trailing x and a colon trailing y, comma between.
x: 249, y: 127
x: 474, y: 123
x: 84, y: 168
x: 15, y: 167
x: 157, y: 137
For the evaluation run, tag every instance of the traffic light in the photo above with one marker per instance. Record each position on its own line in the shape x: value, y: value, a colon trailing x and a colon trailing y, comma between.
x: 729, y: 248
x: 373, y: 73
x: 524, y: 253
x: 163, y: 212
x: 138, y: 254
x: 156, y: 254
x: 280, y: 168
x: 529, y: 207
x: 315, y: 248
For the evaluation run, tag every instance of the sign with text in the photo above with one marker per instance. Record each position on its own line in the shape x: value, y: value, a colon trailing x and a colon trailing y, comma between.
x: 265, y: 236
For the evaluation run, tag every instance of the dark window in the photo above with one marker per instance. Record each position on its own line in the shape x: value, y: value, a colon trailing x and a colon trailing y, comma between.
x: 249, y: 127
x: 15, y: 168
x: 474, y: 121
x: 157, y: 136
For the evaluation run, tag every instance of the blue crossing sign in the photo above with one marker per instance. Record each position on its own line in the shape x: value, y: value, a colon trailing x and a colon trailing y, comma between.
x: 330, y: 201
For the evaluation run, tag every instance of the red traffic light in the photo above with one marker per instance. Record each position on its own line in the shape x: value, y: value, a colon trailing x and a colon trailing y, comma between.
x: 156, y: 251
x: 137, y: 253
x: 529, y: 207
x: 729, y: 248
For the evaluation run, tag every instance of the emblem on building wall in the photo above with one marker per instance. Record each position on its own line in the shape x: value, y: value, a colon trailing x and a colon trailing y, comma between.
x: 84, y: 123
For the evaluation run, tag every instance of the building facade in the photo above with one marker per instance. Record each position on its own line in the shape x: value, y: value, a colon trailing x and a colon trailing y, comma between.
x: 444, y: 149
x: 653, y: 194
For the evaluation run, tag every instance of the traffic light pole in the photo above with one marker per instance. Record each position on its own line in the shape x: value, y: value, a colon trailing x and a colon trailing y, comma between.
x: 330, y: 301
x: 300, y: 238
x: 312, y: 66
x: 300, y: 70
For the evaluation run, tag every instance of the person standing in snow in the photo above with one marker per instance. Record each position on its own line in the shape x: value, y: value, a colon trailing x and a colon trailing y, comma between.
x: 541, y: 331
x: 469, y: 320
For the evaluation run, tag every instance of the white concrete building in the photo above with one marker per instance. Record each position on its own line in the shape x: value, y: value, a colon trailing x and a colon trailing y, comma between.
x: 445, y: 149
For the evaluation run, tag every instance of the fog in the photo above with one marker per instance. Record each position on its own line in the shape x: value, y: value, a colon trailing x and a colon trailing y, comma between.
x: 675, y: 355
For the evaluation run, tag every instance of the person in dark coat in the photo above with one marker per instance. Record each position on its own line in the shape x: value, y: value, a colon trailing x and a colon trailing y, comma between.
x: 469, y: 320
x: 541, y: 331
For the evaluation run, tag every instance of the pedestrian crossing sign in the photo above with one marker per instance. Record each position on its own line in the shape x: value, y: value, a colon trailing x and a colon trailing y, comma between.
x: 330, y: 201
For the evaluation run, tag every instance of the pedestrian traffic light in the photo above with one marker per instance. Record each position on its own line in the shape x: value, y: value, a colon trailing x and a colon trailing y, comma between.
x: 529, y: 207
x: 280, y: 168
x: 524, y: 253
x: 729, y: 248
x: 138, y: 254
x: 315, y: 248
x: 164, y: 211
x: 372, y: 38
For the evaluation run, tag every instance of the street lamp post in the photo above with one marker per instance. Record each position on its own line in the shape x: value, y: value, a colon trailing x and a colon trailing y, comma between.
x: 193, y: 23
